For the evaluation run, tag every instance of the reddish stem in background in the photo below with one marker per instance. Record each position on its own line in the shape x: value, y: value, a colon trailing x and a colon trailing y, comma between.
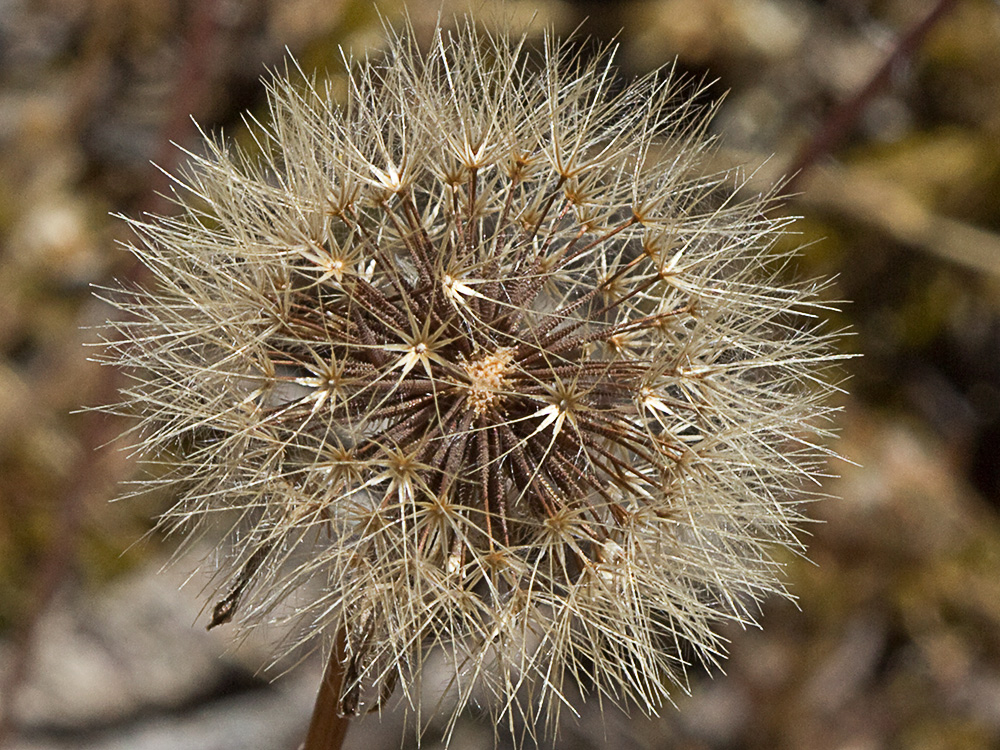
x: 94, y: 467
x: 843, y: 117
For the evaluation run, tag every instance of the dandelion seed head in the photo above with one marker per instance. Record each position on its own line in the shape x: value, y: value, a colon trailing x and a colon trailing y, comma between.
x: 481, y: 354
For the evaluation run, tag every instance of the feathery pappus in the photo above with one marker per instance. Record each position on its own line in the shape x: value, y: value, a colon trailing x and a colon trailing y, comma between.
x: 478, y: 351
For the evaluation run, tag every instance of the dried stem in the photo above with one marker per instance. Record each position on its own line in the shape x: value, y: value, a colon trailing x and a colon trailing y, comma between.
x: 844, y: 116
x: 328, y: 726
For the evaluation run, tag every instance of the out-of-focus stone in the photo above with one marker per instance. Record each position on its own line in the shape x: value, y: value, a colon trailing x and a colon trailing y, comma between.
x: 131, y: 650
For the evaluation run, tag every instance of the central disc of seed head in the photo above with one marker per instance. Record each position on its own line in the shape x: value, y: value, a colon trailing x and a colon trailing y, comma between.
x: 487, y: 376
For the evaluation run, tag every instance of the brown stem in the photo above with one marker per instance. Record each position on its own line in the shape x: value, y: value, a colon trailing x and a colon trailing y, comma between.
x: 328, y: 726
x: 844, y: 116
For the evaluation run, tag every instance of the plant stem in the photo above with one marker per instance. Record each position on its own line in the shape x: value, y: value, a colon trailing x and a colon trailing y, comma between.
x: 846, y: 115
x: 328, y: 726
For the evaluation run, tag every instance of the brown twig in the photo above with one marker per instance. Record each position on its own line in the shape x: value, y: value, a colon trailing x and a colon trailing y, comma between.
x: 94, y: 468
x: 842, y: 119
x: 328, y: 726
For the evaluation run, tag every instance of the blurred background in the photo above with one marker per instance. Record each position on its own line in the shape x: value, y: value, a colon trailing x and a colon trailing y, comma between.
x: 894, y: 640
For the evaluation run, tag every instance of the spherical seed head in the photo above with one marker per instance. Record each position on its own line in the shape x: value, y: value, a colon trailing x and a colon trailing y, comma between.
x: 480, y: 359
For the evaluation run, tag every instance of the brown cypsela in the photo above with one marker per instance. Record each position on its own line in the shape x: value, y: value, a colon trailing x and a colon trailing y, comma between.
x: 477, y: 355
